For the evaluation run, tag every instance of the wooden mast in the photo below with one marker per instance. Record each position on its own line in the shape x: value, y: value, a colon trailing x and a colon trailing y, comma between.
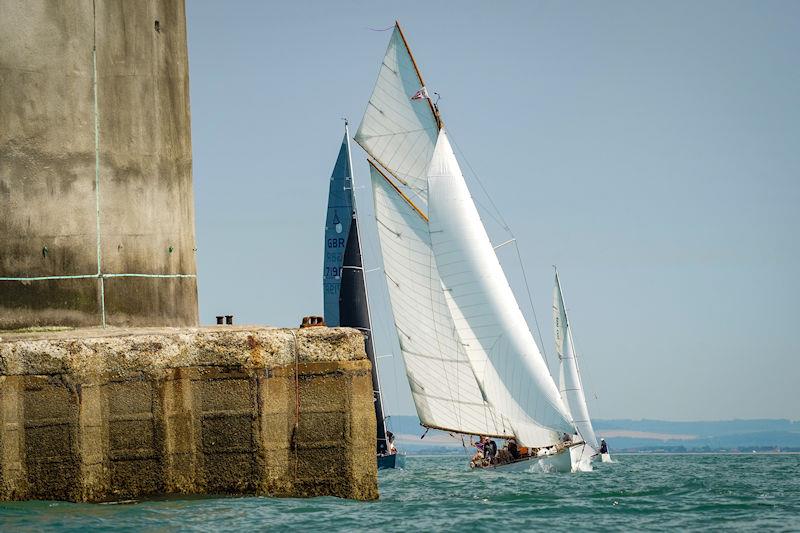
x: 449, y: 430
x: 397, y: 189
x: 419, y: 74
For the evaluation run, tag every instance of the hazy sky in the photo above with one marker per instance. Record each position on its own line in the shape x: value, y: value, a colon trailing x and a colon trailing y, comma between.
x: 649, y: 149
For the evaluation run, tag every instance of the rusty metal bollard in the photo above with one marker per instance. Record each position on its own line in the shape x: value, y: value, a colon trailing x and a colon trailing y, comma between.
x: 312, y: 321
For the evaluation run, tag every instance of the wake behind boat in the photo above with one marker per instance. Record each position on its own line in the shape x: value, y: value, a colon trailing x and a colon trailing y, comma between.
x: 470, y: 358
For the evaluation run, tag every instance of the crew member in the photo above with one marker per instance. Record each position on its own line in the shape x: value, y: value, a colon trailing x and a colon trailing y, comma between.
x: 512, y: 448
x: 490, y: 449
x: 603, y: 446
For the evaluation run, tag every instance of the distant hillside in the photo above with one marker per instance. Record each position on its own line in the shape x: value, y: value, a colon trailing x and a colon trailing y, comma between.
x: 642, y: 435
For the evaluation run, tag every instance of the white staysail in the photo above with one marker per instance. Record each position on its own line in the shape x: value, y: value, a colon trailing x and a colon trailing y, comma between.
x: 570, y: 384
x: 487, y: 318
x: 396, y: 131
x: 443, y: 386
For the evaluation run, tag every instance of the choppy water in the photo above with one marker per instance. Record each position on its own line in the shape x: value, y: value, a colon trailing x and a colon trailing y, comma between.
x: 742, y: 492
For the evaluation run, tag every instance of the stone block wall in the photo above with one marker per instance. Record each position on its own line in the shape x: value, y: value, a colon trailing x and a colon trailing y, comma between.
x: 94, y: 415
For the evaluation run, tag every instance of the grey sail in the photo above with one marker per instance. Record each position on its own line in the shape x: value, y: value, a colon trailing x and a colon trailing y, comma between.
x: 337, y: 228
x: 344, y: 285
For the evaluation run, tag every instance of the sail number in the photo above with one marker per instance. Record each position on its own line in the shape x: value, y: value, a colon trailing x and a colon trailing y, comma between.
x: 337, y: 242
x: 333, y: 272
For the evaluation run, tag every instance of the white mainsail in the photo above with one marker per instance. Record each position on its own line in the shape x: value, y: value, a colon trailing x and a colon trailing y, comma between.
x: 397, y: 132
x: 570, y: 385
x: 443, y: 385
x: 470, y: 359
x: 487, y: 318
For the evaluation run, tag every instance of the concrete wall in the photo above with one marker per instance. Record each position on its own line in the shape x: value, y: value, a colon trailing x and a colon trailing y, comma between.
x: 213, y: 410
x: 58, y: 140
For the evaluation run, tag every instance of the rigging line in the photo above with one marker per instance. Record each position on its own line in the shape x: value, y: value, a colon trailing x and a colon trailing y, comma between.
x: 493, y: 217
x: 387, y: 332
x: 480, y: 184
x: 516, y: 246
x: 533, y: 309
x: 575, y: 357
x: 370, y: 338
x: 379, y: 29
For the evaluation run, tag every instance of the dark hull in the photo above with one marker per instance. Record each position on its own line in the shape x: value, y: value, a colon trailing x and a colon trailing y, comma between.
x: 397, y: 460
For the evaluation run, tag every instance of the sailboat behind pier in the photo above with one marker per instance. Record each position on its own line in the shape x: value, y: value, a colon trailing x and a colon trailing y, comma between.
x: 344, y: 284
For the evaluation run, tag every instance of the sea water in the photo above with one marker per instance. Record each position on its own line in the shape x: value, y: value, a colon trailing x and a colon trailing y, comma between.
x: 435, y: 493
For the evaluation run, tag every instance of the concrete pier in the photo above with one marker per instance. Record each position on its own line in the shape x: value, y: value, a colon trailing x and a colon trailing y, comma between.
x: 108, y: 414
x: 96, y: 198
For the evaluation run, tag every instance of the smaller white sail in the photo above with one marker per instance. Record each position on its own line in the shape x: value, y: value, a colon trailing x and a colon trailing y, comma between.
x: 570, y: 385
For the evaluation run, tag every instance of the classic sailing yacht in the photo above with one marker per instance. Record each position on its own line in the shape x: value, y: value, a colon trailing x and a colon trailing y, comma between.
x: 344, y: 284
x: 570, y: 385
x: 470, y: 359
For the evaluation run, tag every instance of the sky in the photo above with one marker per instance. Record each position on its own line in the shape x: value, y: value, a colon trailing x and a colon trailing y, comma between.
x: 651, y: 150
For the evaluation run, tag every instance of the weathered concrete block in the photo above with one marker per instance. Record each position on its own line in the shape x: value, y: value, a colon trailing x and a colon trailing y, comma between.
x: 92, y: 415
x: 95, y: 164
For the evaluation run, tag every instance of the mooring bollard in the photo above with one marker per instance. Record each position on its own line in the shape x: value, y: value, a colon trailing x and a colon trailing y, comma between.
x: 312, y: 321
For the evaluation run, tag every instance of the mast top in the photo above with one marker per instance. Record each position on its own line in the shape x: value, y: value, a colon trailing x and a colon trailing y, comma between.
x: 434, y: 109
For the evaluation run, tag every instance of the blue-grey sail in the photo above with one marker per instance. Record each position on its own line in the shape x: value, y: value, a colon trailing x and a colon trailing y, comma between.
x: 337, y: 228
x: 344, y: 284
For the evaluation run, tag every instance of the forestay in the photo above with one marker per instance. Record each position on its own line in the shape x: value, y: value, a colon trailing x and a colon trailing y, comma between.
x: 397, y: 132
x: 487, y: 318
x: 443, y: 386
x: 570, y: 385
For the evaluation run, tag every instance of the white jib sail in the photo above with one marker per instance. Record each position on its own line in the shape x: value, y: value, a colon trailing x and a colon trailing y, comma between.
x: 443, y: 386
x: 487, y: 318
x: 570, y: 385
x: 397, y: 132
